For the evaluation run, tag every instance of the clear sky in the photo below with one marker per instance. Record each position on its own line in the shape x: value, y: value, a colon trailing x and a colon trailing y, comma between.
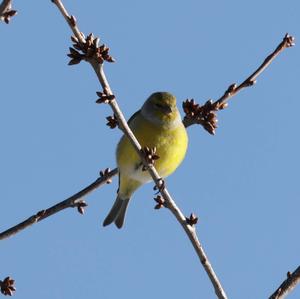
x: 243, y: 183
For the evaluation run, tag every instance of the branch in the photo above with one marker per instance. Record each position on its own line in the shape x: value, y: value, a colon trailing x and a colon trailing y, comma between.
x: 189, y: 229
x: 206, y: 115
x: 6, y: 12
x: 73, y: 201
x: 288, y: 285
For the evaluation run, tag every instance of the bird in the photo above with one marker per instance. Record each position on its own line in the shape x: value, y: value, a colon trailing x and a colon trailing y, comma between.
x: 157, y: 124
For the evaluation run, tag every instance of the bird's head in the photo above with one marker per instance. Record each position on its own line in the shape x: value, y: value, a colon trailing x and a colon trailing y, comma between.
x: 161, y: 109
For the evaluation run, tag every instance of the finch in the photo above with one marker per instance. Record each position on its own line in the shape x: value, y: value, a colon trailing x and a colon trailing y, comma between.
x: 157, y: 124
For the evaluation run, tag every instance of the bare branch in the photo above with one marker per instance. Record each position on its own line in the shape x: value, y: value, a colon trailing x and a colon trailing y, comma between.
x: 288, y: 285
x: 190, y: 230
x: 287, y: 42
x: 75, y: 200
x: 196, y: 114
x: 6, y: 11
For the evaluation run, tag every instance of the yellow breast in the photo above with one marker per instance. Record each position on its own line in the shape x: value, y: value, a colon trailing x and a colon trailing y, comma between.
x: 171, y: 145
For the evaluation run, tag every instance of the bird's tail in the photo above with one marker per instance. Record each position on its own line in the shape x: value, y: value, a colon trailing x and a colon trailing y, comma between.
x: 117, y: 212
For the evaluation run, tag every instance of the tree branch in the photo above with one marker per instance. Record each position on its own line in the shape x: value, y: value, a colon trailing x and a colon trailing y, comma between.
x: 6, y: 12
x: 288, y: 285
x: 206, y: 114
x: 287, y: 42
x: 73, y: 201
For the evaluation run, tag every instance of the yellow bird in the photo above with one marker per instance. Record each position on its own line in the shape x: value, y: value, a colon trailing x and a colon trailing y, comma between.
x: 157, y: 124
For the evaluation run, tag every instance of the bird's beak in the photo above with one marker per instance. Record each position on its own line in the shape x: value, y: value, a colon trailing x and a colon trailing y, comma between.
x: 168, y: 109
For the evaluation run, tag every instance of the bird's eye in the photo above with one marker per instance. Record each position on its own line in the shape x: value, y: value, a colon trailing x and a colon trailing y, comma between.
x: 158, y: 105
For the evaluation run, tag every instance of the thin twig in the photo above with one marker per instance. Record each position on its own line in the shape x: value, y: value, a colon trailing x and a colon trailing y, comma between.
x: 6, y: 11
x: 287, y: 42
x: 71, y: 202
x: 288, y: 285
x: 190, y: 230
x: 198, y: 118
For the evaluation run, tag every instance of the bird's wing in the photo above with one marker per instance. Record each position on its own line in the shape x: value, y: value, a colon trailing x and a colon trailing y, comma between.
x: 133, y: 116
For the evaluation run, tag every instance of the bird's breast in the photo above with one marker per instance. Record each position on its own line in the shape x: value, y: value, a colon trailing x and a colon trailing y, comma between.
x: 171, y: 145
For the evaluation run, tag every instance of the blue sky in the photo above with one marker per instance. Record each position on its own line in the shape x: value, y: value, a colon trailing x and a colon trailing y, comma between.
x: 243, y: 183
